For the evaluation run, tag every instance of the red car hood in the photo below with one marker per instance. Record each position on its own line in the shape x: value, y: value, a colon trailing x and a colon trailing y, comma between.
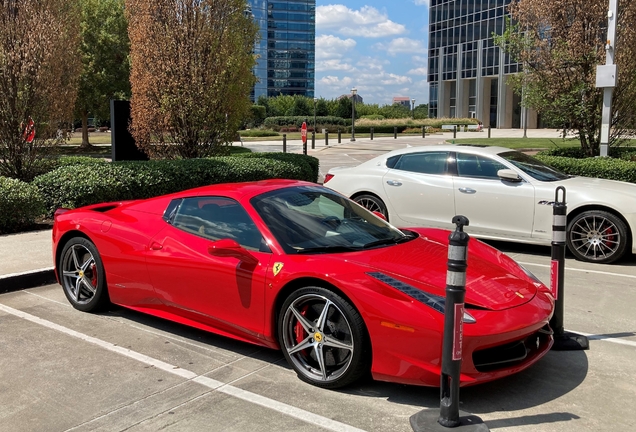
x: 493, y: 280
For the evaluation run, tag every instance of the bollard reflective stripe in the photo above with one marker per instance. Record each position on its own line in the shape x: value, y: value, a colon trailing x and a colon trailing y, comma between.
x: 458, y: 331
x: 457, y: 253
x: 455, y: 279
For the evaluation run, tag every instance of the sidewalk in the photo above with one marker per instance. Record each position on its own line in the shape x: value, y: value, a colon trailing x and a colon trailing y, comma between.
x: 26, y: 258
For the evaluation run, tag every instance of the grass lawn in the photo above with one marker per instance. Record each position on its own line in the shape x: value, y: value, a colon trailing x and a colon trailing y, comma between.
x: 520, y: 143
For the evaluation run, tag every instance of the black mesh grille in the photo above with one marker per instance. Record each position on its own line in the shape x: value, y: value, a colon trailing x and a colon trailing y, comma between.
x: 512, y: 353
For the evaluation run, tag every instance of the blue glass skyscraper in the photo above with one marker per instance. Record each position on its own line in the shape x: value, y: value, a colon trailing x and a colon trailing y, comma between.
x: 286, y: 49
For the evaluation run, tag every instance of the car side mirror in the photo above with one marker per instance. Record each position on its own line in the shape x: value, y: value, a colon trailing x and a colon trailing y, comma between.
x: 230, y: 248
x: 509, y: 175
x: 380, y: 215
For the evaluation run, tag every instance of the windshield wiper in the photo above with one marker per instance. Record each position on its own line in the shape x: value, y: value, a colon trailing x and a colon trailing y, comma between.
x: 325, y: 249
x: 388, y: 241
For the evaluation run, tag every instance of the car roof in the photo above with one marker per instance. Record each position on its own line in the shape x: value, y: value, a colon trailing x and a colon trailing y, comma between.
x: 242, y: 189
x: 465, y: 148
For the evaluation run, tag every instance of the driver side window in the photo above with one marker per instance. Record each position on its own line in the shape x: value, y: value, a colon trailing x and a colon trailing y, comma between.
x: 217, y: 218
x: 470, y: 165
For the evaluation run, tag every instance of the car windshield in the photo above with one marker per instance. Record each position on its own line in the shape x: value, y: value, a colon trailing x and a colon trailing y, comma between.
x: 533, y: 167
x: 314, y: 219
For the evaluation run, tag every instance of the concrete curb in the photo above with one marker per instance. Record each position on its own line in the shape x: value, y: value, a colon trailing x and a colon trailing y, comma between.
x: 28, y: 279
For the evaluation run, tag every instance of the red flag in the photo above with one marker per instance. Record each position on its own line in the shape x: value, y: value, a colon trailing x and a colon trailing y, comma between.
x: 29, y: 131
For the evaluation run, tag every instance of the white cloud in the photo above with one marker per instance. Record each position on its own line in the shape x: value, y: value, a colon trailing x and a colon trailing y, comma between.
x: 418, y: 71
x: 393, y: 79
x: 402, y: 46
x: 421, y: 2
x: 419, y: 59
x: 333, y: 64
x: 334, y: 81
x: 365, y: 22
x: 330, y: 47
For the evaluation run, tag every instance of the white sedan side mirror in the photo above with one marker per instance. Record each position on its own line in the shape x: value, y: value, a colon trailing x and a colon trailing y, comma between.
x: 508, y: 174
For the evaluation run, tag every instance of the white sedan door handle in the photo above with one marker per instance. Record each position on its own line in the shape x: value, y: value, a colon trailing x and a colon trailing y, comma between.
x: 467, y: 190
x: 393, y: 183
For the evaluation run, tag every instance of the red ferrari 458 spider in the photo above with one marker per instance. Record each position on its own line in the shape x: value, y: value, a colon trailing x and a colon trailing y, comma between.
x: 296, y: 266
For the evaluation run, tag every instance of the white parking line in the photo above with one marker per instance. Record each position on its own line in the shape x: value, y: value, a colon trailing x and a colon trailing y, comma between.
x: 581, y: 270
x: 213, y: 384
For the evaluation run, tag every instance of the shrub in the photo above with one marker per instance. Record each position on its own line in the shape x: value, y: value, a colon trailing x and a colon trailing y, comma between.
x: 297, y: 121
x: 83, y: 184
x: 607, y: 168
x: 20, y: 204
x: 309, y: 164
x: 258, y: 133
x: 372, y: 117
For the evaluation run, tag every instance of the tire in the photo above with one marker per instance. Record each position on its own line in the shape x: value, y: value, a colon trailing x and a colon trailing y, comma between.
x: 82, y: 276
x: 372, y: 203
x: 327, y: 349
x: 597, y: 236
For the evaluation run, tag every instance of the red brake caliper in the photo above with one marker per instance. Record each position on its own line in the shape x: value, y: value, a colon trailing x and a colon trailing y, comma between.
x: 94, y: 275
x: 610, y: 236
x: 300, y: 331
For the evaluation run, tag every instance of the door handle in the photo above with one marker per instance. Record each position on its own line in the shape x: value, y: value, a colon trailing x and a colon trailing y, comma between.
x: 155, y: 246
x: 394, y: 183
x: 467, y: 190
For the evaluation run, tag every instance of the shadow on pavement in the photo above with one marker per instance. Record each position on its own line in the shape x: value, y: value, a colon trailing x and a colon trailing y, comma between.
x: 555, y: 375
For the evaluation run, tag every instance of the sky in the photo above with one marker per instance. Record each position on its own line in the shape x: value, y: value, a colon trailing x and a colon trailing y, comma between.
x: 376, y: 46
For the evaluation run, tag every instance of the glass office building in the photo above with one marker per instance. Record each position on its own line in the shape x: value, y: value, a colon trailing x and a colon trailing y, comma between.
x: 286, y: 49
x: 466, y: 71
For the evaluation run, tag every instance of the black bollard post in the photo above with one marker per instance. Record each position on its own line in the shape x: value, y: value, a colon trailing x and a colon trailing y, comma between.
x: 326, y: 138
x: 454, y: 131
x: 449, y: 415
x: 488, y: 131
x: 284, y: 143
x: 563, y: 341
x: 423, y: 132
x: 313, y: 140
x: 339, y: 136
x: 371, y: 134
x: 394, y: 132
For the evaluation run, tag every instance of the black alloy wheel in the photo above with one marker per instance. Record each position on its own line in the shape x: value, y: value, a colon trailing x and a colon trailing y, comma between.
x: 82, y: 276
x: 597, y: 236
x: 323, y: 338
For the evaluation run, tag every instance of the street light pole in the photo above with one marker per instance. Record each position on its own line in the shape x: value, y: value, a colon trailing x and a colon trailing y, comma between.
x: 315, y: 99
x: 413, y: 109
x: 606, y: 76
x: 354, y: 91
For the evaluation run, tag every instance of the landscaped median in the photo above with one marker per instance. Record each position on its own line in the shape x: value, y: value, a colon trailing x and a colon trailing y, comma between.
x: 82, y: 181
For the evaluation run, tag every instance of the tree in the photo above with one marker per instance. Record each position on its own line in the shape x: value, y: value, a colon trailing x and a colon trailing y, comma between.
x: 560, y: 43
x: 38, y: 78
x: 191, y: 74
x: 105, y: 60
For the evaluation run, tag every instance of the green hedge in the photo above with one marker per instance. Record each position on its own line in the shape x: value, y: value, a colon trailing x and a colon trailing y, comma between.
x: 626, y: 153
x: 297, y: 121
x: 379, y: 129
x: 83, y: 184
x: 20, y: 204
x: 309, y: 165
x: 607, y: 168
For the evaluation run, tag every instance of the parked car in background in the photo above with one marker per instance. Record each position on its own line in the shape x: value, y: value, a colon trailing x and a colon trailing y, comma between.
x: 296, y: 266
x: 506, y: 195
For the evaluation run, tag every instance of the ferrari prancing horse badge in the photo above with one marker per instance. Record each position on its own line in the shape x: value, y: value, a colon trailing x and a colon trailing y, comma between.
x: 277, y: 267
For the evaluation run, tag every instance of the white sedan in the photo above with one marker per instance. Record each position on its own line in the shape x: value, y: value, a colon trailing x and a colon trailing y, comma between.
x: 506, y: 195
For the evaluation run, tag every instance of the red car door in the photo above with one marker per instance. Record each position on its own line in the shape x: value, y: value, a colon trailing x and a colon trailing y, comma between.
x: 226, y: 292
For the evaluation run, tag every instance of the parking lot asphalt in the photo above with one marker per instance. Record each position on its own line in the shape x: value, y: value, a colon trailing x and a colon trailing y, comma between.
x: 61, y: 369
